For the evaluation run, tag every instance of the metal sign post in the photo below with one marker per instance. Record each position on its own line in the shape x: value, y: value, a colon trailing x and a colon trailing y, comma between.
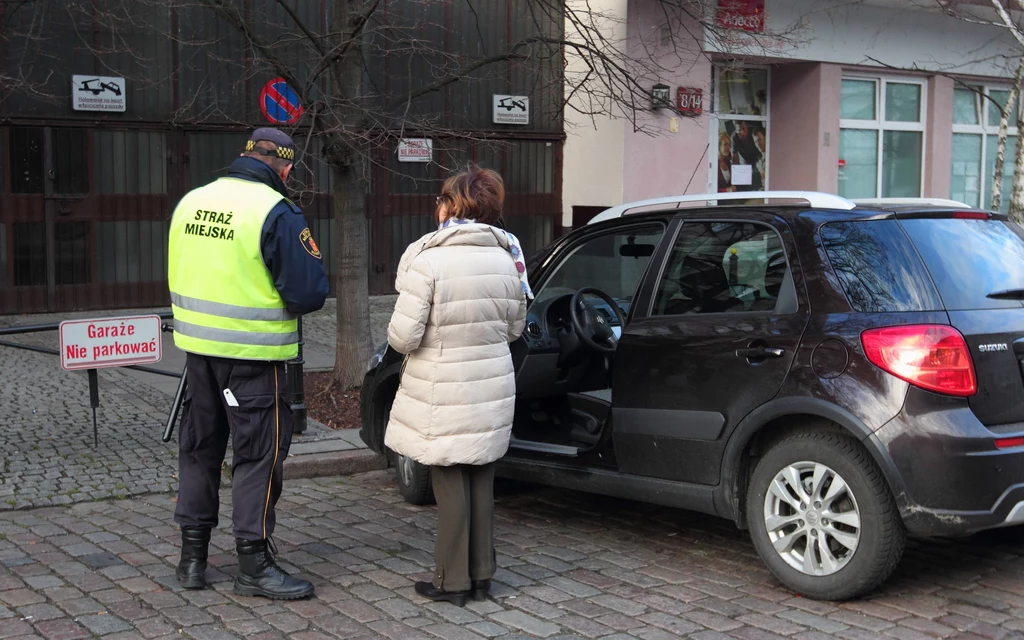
x: 94, y: 401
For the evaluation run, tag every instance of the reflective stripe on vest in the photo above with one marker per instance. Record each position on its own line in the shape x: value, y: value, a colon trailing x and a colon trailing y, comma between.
x: 236, y: 337
x: 222, y: 294
x: 228, y: 310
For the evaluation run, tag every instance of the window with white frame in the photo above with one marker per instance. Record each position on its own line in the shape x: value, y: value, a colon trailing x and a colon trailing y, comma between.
x: 975, y: 141
x: 881, y: 138
x: 741, y: 139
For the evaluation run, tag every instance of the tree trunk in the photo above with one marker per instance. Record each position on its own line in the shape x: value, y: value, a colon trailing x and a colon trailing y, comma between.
x: 353, y: 338
x: 353, y: 330
x: 1004, y: 125
x: 1017, y: 195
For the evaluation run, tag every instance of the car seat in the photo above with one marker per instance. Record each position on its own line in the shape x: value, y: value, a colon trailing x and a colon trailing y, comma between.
x: 707, y: 287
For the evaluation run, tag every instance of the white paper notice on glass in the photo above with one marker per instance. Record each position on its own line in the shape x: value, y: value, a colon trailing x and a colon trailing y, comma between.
x: 971, y: 184
x: 742, y: 175
x: 959, y: 168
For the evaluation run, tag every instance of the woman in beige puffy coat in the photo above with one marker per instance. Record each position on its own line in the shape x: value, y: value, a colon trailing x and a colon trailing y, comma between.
x: 462, y: 300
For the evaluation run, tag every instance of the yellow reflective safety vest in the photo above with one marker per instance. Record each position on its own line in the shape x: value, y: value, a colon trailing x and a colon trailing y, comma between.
x: 222, y: 294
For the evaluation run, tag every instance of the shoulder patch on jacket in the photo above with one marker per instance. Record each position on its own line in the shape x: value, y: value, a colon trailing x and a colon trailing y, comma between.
x: 309, y: 244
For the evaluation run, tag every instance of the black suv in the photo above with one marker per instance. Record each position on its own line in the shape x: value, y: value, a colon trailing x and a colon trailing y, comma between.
x: 833, y: 377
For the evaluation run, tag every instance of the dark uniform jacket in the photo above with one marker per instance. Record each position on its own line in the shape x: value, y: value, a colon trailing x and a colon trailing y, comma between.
x: 295, y: 265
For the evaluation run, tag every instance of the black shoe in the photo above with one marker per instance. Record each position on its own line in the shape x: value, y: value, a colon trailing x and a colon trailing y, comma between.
x: 480, y: 589
x: 259, y: 575
x: 195, y: 547
x: 430, y: 592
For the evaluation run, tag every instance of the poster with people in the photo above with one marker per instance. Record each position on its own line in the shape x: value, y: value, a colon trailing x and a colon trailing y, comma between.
x: 742, y: 156
x: 742, y: 102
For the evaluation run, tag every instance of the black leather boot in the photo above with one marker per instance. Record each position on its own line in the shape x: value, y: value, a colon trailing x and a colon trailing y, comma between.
x: 480, y: 590
x: 195, y: 547
x: 430, y: 592
x: 259, y: 575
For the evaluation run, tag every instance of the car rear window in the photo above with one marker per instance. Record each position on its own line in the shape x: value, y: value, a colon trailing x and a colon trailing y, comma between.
x: 969, y: 259
x: 878, y: 268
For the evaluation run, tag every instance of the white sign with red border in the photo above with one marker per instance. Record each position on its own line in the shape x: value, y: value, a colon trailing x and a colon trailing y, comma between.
x: 110, y: 342
x: 415, y: 150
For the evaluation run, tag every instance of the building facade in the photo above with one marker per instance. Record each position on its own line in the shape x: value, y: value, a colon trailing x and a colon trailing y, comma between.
x: 873, y: 99
x: 107, y: 119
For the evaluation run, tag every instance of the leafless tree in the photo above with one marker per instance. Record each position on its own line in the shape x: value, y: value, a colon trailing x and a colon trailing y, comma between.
x: 333, y: 59
x: 997, y: 13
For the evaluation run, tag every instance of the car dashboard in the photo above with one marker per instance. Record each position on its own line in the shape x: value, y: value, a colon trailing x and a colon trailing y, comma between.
x: 550, y: 358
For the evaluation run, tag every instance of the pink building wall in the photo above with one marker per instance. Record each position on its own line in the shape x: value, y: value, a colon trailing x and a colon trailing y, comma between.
x: 803, y: 148
x: 938, y: 142
x: 804, y: 118
x: 663, y: 164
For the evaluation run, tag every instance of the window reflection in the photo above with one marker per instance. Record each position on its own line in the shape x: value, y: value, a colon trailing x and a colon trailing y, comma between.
x: 877, y: 267
x: 970, y: 259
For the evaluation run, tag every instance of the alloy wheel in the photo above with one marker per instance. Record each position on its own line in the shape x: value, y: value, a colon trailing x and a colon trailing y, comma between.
x: 812, y: 518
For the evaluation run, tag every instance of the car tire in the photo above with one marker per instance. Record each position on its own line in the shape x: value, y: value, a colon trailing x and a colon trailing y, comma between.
x: 413, y: 480
x: 861, y: 497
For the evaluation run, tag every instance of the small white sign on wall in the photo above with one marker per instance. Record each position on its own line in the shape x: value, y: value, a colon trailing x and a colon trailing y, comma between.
x: 415, y: 150
x: 742, y: 175
x: 98, y: 93
x: 511, y: 109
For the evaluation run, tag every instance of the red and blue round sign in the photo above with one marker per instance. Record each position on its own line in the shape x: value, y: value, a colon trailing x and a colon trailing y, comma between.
x: 279, y: 103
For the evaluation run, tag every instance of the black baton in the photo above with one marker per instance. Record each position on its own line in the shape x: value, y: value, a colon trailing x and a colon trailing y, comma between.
x: 179, y: 395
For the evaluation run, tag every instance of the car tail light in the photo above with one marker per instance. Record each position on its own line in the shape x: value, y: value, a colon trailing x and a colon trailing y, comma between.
x: 972, y: 215
x: 1009, y: 443
x: 932, y: 357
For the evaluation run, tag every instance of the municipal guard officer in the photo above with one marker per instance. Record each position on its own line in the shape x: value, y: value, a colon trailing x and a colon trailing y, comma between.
x: 242, y: 265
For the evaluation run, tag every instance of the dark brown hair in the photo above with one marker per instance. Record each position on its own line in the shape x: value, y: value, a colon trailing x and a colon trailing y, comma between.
x: 475, y: 194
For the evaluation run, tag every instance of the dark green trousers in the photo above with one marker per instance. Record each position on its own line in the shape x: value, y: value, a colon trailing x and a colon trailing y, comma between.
x: 464, y: 549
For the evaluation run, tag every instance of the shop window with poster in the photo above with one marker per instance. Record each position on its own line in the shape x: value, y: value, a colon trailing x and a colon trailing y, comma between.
x: 741, y: 138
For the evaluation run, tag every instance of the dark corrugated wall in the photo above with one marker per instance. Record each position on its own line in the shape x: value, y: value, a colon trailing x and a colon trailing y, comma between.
x: 85, y: 198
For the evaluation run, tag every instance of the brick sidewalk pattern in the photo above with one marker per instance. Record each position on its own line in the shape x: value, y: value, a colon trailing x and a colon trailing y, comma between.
x: 571, y: 566
x: 47, y: 455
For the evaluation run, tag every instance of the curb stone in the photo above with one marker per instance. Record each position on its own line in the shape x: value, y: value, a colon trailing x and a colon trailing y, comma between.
x: 320, y: 465
x: 338, y: 463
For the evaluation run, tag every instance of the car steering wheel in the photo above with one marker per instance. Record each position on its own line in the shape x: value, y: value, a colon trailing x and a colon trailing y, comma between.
x: 589, y: 325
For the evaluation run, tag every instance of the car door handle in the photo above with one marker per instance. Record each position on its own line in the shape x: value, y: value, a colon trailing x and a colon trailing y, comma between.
x: 757, y: 353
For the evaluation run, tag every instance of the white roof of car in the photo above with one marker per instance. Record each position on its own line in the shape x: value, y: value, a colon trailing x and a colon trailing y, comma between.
x: 814, y: 199
x: 936, y: 202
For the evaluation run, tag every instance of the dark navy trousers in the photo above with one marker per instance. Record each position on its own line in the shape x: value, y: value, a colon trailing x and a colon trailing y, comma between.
x: 260, y: 431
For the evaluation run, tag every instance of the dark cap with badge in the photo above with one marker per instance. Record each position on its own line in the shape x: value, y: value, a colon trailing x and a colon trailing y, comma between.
x: 285, y: 148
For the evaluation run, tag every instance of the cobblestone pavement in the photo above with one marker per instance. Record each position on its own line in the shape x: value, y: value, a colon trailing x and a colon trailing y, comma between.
x: 572, y: 565
x: 320, y: 327
x: 47, y: 456
x: 46, y: 443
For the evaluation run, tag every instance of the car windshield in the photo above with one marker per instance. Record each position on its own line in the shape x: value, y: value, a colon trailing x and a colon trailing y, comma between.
x: 971, y: 259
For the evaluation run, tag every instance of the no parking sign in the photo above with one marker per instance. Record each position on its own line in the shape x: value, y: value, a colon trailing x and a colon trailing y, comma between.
x: 279, y: 103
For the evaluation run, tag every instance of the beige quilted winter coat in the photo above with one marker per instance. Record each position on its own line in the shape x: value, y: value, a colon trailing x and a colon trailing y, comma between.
x: 459, y: 306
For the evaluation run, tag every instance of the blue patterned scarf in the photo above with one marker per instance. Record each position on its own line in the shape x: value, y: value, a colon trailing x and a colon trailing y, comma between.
x: 514, y: 248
